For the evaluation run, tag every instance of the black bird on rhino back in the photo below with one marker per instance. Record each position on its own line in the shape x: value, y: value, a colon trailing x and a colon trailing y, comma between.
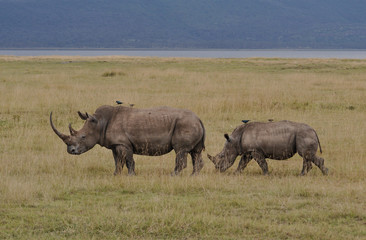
x: 127, y: 131
x: 274, y: 140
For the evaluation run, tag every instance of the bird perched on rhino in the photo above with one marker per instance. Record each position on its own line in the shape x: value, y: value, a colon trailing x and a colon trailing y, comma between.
x: 120, y: 103
x: 245, y: 121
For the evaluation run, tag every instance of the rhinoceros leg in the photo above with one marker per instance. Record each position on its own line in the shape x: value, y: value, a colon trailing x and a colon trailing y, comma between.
x: 245, y: 159
x: 306, y: 166
x: 197, y: 162
x: 311, y: 157
x: 261, y: 160
x: 180, y: 162
x: 130, y: 162
x: 119, y: 160
x: 121, y: 156
x: 319, y: 162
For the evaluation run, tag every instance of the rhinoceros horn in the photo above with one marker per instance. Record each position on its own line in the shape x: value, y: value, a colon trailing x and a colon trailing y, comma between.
x: 61, y: 135
x: 72, y: 131
x: 211, y: 158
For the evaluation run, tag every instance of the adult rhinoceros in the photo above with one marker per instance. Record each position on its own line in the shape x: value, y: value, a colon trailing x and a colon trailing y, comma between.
x: 127, y: 131
x: 274, y: 140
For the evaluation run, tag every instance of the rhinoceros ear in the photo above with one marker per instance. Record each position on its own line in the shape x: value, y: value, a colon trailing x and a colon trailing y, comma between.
x: 92, y: 118
x: 227, y: 137
x: 83, y: 116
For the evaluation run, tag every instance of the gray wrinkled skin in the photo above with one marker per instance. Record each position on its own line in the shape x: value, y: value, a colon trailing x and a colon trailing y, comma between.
x: 127, y: 131
x: 274, y: 140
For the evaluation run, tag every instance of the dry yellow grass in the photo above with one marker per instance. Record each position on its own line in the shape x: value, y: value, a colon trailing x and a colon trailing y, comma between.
x: 46, y: 193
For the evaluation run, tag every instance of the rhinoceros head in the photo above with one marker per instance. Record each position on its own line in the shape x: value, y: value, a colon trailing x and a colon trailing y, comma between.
x: 80, y: 141
x: 227, y: 156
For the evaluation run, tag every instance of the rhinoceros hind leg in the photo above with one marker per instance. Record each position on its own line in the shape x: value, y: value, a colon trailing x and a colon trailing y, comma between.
x: 319, y: 162
x: 261, y: 160
x: 197, y: 162
x: 180, y: 162
x: 307, y: 166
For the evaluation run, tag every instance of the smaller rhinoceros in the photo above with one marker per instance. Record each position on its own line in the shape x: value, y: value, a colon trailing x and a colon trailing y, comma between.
x: 274, y: 140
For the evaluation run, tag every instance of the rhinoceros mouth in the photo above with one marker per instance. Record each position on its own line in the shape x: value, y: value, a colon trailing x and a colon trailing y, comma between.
x: 74, y: 153
x: 73, y: 150
x: 77, y: 149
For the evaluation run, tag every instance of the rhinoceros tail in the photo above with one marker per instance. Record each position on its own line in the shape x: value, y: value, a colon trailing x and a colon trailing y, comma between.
x: 320, y: 147
x: 203, y: 137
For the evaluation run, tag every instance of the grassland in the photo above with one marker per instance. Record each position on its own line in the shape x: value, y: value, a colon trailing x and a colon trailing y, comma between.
x: 47, y: 194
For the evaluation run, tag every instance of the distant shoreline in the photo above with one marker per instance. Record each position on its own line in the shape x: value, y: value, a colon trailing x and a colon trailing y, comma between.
x: 187, y: 49
x: 192, y: 53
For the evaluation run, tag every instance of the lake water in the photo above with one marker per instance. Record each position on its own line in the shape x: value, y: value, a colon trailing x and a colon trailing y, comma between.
x: 342, y: 54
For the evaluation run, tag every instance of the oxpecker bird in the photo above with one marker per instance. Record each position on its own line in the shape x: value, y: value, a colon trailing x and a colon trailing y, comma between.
x: 245, y: 121
x: 119, y: 102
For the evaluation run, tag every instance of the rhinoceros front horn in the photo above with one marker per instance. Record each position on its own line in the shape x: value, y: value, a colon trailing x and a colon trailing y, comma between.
x: 61, y: 135
x: 211, y: 158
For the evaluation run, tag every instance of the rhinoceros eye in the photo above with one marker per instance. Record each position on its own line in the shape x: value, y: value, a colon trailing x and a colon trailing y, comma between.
x: 93, y: 119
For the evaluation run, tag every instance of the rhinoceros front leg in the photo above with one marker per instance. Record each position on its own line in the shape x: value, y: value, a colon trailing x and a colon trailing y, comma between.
x: 245, y: 159
x: 121, y: 156
x: 261, y: 160
x: 130, y: 163
x: 119, y: 160
x: 180, y: 162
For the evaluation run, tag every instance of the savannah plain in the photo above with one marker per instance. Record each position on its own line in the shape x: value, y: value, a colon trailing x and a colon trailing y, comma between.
x: 45, y: 193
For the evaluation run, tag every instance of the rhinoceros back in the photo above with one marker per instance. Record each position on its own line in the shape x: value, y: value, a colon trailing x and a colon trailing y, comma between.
x: 276, y: 140
x: 155, y: 131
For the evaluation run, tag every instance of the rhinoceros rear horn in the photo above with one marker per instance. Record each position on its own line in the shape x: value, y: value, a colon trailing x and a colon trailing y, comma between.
x: 72, y: 131
x: 61, y: 135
